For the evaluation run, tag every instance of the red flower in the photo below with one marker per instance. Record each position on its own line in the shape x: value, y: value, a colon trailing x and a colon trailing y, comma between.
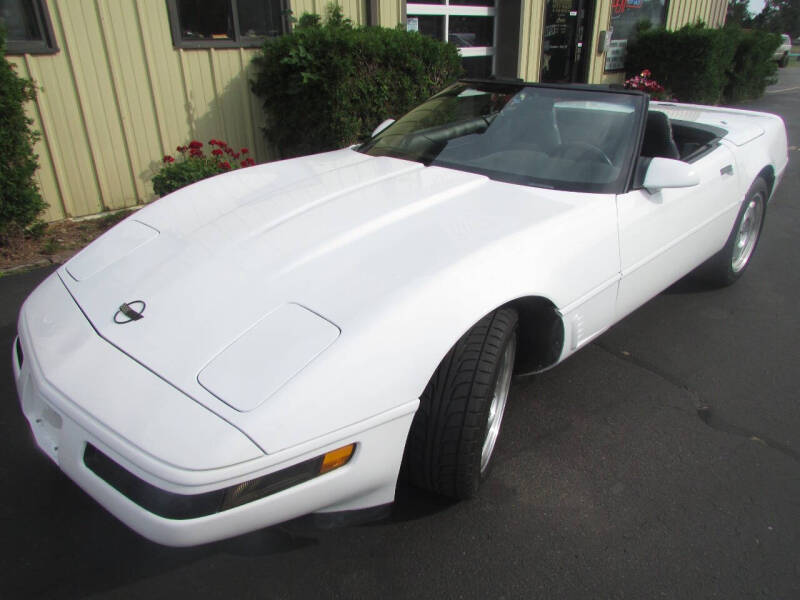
x: 236, y: 155
x: 181, y: 148
x: 212, y: 142
x: 168, y: 159
x: 244, y: 151
x: 225, y: 165
x: 196, y: 153
x: 194, y: 145
x: 216, y: 152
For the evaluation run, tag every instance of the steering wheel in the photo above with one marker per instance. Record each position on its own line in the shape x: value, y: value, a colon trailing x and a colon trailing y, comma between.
x: 576, y: 150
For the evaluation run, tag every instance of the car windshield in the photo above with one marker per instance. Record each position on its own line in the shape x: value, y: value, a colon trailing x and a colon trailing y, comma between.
x: 560, y: 138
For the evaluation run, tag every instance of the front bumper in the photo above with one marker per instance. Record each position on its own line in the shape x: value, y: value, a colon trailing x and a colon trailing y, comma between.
x: 57, y: 399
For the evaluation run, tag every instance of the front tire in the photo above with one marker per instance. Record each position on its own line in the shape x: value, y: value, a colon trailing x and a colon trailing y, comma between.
x: 784, y: 61
x: 727, y: 265
x: 455, y: 429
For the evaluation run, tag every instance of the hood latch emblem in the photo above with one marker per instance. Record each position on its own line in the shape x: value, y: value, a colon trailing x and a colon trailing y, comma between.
x: 129, y: 311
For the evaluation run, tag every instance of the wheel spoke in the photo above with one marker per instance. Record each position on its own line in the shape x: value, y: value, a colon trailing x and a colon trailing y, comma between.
x: 498, y: 404
x: 747, y: 235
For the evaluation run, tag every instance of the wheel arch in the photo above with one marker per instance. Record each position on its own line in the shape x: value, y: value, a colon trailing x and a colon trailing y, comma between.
x: 768, y: 175
x: 540, y: 337
x: 541, y: 334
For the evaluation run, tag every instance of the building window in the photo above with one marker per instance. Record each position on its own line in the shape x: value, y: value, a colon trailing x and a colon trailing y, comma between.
x: 28, y: 27
x: 469, y: 24
x: 626, y: 17
x: 226, y: 23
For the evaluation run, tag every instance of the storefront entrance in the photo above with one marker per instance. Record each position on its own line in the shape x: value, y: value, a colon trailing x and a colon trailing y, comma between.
x: 566, y: 41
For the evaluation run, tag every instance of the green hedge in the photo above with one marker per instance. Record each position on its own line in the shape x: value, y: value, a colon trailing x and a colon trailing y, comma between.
x: 691, y: 62
x: 328, y: 85
x: 702, y: 65
x: 20, y: 200
x: 753, y: 68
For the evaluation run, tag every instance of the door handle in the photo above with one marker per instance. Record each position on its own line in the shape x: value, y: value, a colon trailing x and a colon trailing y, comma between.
x: 726, y: 170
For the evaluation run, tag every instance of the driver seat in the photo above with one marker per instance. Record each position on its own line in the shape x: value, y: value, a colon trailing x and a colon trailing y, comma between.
x: 658, y: 137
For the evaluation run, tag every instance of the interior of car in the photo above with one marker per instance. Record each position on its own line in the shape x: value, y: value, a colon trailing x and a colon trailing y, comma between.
x: 678, y: 140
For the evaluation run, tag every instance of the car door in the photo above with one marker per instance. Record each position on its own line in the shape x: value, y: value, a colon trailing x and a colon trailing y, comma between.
x: 665, y: 234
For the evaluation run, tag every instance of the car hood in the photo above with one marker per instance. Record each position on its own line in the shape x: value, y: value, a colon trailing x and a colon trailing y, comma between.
x: 310, y: 244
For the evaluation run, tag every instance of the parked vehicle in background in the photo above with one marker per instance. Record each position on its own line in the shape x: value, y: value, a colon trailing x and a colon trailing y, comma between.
x: 782, y: 53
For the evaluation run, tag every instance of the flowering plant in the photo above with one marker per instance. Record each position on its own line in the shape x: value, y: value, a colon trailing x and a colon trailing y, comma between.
x: 191, y: 164
x: 643, y: 81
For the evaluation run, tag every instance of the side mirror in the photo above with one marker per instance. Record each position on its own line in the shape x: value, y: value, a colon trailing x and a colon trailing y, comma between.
x: 668, y: 173
x: 382, y: 126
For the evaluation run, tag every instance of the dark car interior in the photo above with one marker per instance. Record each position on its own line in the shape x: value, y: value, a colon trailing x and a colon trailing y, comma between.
x: 678, y: 140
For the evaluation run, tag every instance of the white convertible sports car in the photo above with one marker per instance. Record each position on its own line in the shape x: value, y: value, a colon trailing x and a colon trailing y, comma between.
x: 278, y: 340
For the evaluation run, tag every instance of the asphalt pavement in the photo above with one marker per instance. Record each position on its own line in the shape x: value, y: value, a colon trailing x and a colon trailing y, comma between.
x: 661, y: 461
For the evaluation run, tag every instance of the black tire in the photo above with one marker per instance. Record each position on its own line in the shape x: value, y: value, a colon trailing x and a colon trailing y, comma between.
x: 723, y: 269
x: 450, y: 429
x: 784, y: 61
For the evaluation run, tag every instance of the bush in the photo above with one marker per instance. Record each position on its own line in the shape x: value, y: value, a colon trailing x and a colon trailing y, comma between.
x: 20, y: 200
x: 703, y: 65
x: 753, y: 68
x: 328, y: 85
x: 691, y: 62
x: 193, y: 165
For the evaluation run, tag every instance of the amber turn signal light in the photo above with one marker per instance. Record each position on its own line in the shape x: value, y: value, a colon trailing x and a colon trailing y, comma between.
x: 336, y: 458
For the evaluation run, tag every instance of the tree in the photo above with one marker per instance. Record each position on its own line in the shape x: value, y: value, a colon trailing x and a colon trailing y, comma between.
x: 739, y: 14
x: 20, y: 200
x: 780, y: 16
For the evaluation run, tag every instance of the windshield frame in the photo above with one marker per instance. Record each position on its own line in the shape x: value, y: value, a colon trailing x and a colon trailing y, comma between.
x: 620, y: 185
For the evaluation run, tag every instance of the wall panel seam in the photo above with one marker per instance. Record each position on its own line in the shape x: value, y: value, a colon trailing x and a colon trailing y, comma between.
x: 124, y: 119
x: 81, y: 108
x: 189, y: 107
x: 248, y: 107
x: 58, y: 168
x: 213, y: 65
x: 152, y: 85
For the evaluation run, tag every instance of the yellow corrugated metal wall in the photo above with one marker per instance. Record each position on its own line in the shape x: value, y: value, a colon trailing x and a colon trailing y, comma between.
x: 117, y: 96
x: 390, y: 13
x: 685, y: 12
x: 530, y: 40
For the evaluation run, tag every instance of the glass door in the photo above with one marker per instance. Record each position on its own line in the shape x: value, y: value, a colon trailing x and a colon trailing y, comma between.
x: 566, y: 41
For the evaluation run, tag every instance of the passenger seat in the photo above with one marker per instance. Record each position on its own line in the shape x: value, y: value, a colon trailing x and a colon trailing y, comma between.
x: 658, y: 137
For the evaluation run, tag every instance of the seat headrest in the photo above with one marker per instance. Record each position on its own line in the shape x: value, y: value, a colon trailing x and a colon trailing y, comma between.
x: 658, y: 137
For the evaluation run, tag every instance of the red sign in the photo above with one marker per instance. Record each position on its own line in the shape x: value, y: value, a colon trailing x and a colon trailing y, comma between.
x: 619, y: 6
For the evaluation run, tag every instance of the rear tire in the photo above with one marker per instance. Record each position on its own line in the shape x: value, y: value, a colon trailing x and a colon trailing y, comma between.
x: 453, y: 434
x: 727, y: 265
